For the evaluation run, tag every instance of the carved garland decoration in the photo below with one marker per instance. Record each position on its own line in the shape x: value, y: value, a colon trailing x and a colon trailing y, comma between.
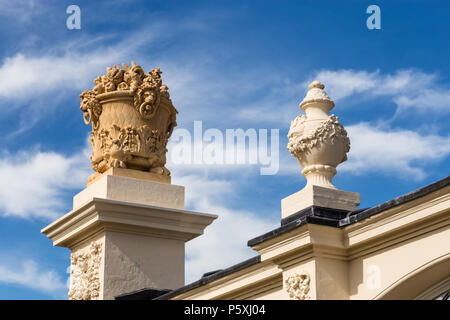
x: 298, y: 286
x: 329, y: 130
x: 85, y: 273
x: 147, y: 89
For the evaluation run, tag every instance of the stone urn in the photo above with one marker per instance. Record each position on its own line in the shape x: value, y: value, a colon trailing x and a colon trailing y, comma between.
x: 132, y: 119
x: 317, y: 140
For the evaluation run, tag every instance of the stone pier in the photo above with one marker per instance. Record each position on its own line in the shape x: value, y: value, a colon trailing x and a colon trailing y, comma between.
x: 128, y: 227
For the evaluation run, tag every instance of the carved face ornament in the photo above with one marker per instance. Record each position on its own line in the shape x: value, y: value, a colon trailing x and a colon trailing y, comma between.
x: 150, y: 104
x: 90, y: 107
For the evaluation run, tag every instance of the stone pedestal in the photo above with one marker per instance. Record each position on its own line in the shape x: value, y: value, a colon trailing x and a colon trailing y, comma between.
x: 126, y: 234
x: 313, y: 195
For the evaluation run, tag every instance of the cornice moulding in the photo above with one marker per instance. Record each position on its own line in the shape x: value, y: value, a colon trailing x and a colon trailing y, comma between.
x: 103, y: 214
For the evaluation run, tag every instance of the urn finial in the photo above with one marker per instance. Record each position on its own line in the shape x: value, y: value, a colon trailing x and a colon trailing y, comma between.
x: 319, y: 143
x: 132, y: 118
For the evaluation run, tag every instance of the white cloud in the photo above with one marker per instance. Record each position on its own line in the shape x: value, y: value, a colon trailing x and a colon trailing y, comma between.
x: 427, y: 99
x: 408, y: 88
x: 400, y: 152
x: 71, y: 69
x: 343, y: 83
x: 73, y: 65
x: 33, y: 182
x: 39, y: 75
x: 32, y: 276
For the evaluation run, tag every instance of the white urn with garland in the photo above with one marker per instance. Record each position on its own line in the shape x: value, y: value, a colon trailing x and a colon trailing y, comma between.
x: 319, y: 143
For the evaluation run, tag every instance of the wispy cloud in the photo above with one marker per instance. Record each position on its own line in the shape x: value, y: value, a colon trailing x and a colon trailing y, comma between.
x: 71, y: 68
x: 408, y: 89
x: 393, y: 151
x: 29, y: 274
x: 33, y: 182
x: 23, y: 10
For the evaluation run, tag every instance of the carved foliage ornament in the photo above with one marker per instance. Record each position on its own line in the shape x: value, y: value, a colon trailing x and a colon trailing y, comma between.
x: 298, y: 286
x: 131, y: 124
x: 330, y: 130
x: 147, y: 90
x: 85, y: 273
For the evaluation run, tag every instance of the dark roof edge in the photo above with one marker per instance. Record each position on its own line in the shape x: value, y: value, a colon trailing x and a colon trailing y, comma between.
x: 309, y: 215
x: 316, y: 211
x: 207, y: 279
x: 396, y: 202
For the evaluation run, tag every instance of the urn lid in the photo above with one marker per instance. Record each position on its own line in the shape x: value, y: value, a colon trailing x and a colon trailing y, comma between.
x: 316, y: 94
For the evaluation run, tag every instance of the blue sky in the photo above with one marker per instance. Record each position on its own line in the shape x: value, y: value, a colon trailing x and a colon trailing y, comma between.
x: 231, y: 65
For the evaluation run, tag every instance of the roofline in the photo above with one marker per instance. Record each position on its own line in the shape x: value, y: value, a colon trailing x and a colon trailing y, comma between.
x: 317, y: 215
x: 418, y: 193
x: 207, y: 279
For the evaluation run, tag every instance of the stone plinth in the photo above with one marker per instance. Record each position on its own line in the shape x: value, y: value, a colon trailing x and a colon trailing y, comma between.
x: 129, y: 173
x: 120, y: 184
x: 126, y: 234
x: 319, y: 196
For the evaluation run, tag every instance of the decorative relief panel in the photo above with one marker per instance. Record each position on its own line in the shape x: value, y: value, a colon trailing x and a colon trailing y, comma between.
x: 298, y: 286
x: 85, y: 273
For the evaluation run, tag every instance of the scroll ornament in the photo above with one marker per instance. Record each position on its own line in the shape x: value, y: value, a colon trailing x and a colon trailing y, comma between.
x: 132, y: 118
x: 298, y: 286
x: 85, y: 273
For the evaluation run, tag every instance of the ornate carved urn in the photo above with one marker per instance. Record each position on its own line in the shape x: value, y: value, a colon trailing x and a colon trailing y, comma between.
x: 317, y: 140
x: 132, y: 119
